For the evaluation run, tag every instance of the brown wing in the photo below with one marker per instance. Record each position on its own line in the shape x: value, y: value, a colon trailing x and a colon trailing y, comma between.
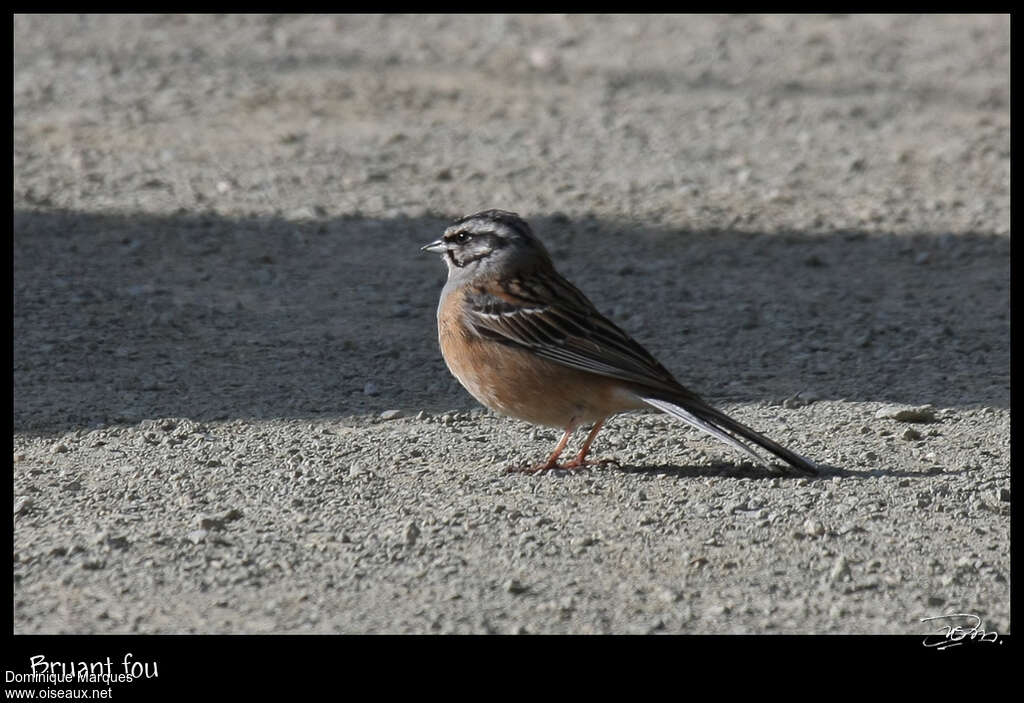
x: 548, y: 315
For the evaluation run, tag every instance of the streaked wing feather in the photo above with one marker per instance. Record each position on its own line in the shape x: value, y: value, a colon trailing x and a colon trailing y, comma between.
x: 572, y: 333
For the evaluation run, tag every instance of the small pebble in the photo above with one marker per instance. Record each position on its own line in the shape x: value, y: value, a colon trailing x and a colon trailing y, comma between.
x: 840, y: 570
x: 515, y: 587
x: 216, y: 522
x: 923, y: 413
x: 23, y: 505
x: 911, y: 434
x: 391, y: 414
x: 813, y: 527
x: 668, y: 594
x: 541, y: 59
x: 412, y: 533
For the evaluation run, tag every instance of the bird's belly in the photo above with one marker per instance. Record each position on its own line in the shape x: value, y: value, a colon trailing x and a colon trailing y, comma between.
x: 514, y: 382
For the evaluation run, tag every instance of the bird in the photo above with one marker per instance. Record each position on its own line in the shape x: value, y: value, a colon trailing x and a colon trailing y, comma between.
x: 526, y: 343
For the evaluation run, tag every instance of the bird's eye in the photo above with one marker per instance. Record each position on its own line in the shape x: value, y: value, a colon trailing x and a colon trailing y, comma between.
x: 461, y: 238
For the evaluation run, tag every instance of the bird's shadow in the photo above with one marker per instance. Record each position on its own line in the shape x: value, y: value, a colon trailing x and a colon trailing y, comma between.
x: 752, y: 471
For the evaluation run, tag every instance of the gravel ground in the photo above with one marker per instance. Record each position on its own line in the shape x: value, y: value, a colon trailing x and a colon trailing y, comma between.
x: 231, y: 414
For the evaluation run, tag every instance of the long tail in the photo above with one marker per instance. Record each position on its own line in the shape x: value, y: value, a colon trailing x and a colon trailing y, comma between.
x: 719, y: 425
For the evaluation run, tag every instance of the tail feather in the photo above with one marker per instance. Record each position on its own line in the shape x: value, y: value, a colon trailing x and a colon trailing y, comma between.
x: 721, y: 426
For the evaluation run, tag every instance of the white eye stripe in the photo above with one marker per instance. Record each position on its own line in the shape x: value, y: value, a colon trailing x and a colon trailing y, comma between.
x: 485, y: 227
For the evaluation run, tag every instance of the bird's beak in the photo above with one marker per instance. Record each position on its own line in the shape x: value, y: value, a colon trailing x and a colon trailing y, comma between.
x: 434, y: 247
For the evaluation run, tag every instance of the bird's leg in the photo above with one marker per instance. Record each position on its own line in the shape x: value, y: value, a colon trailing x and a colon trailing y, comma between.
x: 552, y: 462
x: 580, y: 462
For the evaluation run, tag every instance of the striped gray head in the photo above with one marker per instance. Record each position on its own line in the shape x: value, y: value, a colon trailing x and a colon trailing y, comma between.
x: 488, y: 241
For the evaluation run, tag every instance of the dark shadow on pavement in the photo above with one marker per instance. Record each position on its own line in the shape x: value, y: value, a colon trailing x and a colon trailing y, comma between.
x: 119, y: 318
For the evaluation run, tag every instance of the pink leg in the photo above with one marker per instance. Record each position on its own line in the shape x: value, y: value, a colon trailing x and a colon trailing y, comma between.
x: 552, y: 462
x: 580, y: 462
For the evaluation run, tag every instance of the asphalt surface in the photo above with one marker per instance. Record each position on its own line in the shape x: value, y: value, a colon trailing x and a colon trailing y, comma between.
x: 231, y: 414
